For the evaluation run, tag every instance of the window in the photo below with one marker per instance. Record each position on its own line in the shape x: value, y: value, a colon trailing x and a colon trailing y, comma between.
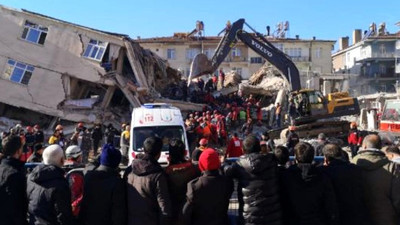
x: 318, y: 52
x: 255, y: 60
x: 348, y: 57
x: 239, y: 71
x: 191, y: 53
x: 209, y: 53
x: 18, y: 72
x: 236, y: 52
x: 382, y: 49
x: 382, y: 69
x: 171, y: 53
x: 95, y: 50
x: 34, y: 33
x: 293, y: 52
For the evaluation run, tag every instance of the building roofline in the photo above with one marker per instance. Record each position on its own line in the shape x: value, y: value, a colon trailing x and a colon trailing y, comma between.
x: 172, y: 39
x: 74, y: 24
x: 395, y: 36
x: 65, y: 22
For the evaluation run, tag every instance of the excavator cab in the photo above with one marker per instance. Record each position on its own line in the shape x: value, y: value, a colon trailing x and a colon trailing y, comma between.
x: 312, y: 105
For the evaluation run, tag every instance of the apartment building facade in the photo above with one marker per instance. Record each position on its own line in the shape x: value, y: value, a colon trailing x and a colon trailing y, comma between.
x: 310, y: 56
x: 53, y: 69
x: 373, y: 57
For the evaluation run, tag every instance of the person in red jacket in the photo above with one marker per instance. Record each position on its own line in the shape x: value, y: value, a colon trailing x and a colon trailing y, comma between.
x: 354, y: 139
x: 234, y: 148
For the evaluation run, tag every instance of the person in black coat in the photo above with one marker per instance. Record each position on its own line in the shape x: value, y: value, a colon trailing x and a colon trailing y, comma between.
x: 13, y: 200
x: 179, y: 172
x: 208, y: 196
x: 97, y: 135
x: 292, y: 139
x: 348, y: 186
x: 308, y: 193
x: 147, y: 187
x: 104, y: 200
x: 48, y: 191
x: 258, y: 189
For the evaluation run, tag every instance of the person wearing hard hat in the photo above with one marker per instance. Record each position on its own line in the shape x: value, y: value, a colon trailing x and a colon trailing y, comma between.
x: 75, y: 178
x: 197, y: 152
x: 354, y: 139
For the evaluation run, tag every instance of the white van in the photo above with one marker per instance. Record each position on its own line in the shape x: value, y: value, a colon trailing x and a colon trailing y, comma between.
x: 156, y: 119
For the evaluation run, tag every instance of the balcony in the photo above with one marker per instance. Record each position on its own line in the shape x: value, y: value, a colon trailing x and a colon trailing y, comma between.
x: 383, y: 55
x: 300, y: 58
x: 236, y: 59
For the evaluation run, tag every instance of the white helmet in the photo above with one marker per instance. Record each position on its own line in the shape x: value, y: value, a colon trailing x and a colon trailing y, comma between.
x: 73, y: 151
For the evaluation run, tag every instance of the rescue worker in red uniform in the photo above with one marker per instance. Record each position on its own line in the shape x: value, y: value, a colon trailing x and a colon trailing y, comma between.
x: 354, y: 139
x: 235, y: 147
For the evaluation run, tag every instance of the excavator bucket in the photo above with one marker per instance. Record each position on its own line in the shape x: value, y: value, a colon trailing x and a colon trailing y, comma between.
x: 200, y: 65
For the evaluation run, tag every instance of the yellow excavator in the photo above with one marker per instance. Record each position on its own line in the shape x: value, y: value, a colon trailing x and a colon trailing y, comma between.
x: 317, y: 107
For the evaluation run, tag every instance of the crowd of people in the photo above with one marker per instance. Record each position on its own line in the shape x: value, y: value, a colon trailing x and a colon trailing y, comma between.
x: 364, y: 189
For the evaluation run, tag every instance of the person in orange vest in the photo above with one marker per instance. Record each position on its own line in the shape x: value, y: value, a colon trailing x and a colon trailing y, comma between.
x: 235, y: 147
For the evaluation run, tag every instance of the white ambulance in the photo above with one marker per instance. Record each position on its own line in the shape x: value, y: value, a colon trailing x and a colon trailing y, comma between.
x: 159, y: 120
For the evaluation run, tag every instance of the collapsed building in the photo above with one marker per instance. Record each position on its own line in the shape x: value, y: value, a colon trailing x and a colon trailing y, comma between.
x: 54, y: 70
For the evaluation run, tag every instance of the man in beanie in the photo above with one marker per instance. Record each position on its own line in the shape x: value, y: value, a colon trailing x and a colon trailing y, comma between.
x: 147, y: 188
x: 48, y: 191
x: 207, y: 197
x: 104, y: 199
x: 13, y: 200
x: 258, y: 189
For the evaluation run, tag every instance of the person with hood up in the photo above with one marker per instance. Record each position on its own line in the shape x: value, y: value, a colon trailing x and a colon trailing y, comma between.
x: 147, y: 187
x: 48, y: 191
x: 381, y: 181
x: 179, y: 172
x: 208, y: 196
x: 308, y: 194
x: 13, y: 200
x: 258, y: 189
x: 104, y: 200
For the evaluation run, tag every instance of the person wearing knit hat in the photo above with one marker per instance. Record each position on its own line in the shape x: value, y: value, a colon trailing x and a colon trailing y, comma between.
x: 209, y: 160
x: 110, y: 156
x: 104, y: 199
x: 208, y: 195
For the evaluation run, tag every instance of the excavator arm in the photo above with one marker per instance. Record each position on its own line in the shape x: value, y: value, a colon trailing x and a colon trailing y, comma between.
x: 262, y: 46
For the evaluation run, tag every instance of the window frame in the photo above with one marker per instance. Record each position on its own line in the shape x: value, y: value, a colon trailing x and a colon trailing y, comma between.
x: 173, y: 53
x: 99, y: 45
x: 29, y: 27
x: 26, y: 70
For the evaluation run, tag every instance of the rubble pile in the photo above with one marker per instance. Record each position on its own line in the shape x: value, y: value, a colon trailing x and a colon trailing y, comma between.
x: 266, y: 81
x: 156, y: 72
x: 232, y: 79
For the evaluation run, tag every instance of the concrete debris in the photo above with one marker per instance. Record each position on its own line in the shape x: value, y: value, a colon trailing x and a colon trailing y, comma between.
x: 266, y: 81
x: 232, y: 79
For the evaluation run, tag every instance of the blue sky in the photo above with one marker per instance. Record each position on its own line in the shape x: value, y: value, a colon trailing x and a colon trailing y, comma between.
x: 326, y: 20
